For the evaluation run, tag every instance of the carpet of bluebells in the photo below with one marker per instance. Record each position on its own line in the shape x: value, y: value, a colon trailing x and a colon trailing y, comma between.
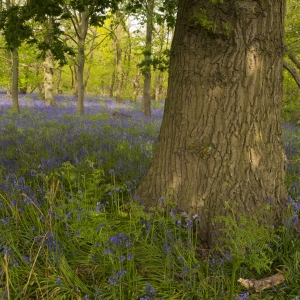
x: 70, y: 231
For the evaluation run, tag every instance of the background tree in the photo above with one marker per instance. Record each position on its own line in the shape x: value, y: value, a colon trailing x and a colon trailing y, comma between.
x: 82, y: 14
x: 221, y: 139
x: 291, y: 105
x: 146, y: 103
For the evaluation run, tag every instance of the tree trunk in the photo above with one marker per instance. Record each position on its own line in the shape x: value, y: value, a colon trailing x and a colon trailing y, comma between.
x: 48, y: 79
x: 80, y: 83
x: 9, y: 73
x: 119, y: 97
x: 58, y: 89
x: 146, y: 103
x: 74, y: 80
x: 112, y: 84
x: 136, y: 86
x: 221, y: 138
x: 15, y: 73
x: 15, y: 81
x: 81, y: 32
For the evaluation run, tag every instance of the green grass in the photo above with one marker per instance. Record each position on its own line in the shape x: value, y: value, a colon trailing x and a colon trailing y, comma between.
x: 70, y: 228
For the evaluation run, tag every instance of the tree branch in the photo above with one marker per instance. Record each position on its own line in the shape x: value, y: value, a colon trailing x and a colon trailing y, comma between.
x: 293, y: 72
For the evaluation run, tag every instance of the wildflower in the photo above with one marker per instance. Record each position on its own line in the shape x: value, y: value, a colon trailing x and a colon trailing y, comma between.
x: 120, y: 240
x: 112, y: 172
x: 4, y: 221
x: 167, y: 249
x: 15, y: 263
x: 115, y: 279
x: 6, y: 250
x: 129, y: 256
x: 189, y: 223
x: 149, y: 292
x: 58, y: 281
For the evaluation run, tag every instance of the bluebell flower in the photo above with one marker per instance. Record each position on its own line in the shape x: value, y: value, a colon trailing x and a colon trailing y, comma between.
x: 149, y: 292
x: 58, y: 281
x: 112, y: 172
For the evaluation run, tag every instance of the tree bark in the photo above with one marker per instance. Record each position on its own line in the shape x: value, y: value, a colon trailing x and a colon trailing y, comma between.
x: 58, y: 89
x: 221, y: 138
x: 118, y: 37
x: 48, y: 79
x: 9, y: 73
x: 80, y: 103
x: 74, y: 80
x: 293, y: 72
x: 81, y: 31
x: 146, y: 103
x: 15, y: 73
x: 15, y: 81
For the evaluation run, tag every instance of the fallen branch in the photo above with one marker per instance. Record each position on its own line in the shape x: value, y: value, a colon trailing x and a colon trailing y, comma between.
x: 262, y: 284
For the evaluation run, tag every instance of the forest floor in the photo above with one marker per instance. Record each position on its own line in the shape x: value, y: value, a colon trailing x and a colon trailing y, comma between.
x: 68, y: 230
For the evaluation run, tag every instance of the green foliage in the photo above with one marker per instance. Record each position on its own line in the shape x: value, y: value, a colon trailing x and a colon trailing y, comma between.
x: 202, y: 19
x: 15, y: 27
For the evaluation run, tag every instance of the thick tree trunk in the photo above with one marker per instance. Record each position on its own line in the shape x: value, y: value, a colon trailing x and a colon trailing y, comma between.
x: 15, y: 81
x: 221, y: 138
x: 48, y: 79
x: 147, y: 56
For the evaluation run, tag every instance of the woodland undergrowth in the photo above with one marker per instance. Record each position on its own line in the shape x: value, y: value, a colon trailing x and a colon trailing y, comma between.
x: 71, y: 229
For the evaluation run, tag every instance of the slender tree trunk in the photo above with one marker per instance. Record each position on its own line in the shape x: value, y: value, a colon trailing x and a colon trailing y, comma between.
x: 48, y: 79
x: 221, y: 138
x: 147, y: 56
x: 15, y: 73
x: 127, y: 58
x: 9, y: 73
x: 74, y: 80
x: 112, y: 84
x: 58, y: 89
x: 136, y: 86
x: 15, y: 81
x: 80, y: 103
x: 81, y: 36
x: 119, y: 97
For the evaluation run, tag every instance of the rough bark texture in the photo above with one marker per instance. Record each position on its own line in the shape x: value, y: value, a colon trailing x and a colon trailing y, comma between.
x: 147, y: 72
x: 48, y: 79
x: 221, y: 136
